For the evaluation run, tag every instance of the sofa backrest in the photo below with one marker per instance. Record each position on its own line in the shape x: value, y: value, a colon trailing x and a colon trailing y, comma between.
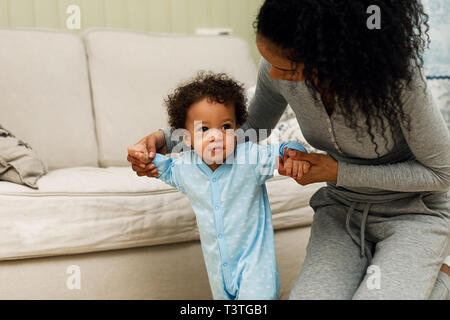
x: 45, y: 95
x: 132, y: 72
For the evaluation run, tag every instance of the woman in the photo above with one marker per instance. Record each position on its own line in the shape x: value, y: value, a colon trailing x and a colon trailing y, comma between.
x: 359, y: 95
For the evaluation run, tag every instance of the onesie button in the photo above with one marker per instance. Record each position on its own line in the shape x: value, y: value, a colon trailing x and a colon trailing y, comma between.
x: 225, y: 264
x: 216, y: 207
x: 219, y: 236
x: 214, y: 179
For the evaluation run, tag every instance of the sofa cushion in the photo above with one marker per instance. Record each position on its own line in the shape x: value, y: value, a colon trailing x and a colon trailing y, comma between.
x: 132, y: 72
x: 19, y: 163
x: 45, y: 96
x: 86, y: 209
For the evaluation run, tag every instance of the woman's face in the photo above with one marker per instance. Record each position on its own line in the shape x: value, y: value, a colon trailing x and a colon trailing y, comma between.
x: 281, y: 67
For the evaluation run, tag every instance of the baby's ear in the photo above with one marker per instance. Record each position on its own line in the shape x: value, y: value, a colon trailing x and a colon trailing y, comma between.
x: 187, y: 138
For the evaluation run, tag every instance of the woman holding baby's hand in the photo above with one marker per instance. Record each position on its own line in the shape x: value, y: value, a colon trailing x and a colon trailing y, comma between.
x: 359, y: 95
x: 320, y: 168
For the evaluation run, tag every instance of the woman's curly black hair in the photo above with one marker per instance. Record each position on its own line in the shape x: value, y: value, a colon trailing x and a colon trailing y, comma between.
x: 216, y: 87
x: 365, y: 69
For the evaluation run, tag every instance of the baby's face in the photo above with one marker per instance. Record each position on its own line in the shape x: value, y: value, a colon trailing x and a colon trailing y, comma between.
x: 212, y: 128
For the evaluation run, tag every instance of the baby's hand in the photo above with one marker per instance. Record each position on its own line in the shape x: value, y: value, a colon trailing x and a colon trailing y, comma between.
x: 296, y: 168
x: 292, y: 168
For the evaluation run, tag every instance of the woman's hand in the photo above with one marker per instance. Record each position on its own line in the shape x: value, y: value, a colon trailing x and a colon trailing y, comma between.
x: 323, y: 167
x: 142, y: 153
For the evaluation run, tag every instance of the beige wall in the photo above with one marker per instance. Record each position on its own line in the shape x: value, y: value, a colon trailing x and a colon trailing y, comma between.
x: 174, y: 16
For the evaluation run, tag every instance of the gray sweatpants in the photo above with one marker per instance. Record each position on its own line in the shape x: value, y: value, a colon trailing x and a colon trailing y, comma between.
x: 376, y: 247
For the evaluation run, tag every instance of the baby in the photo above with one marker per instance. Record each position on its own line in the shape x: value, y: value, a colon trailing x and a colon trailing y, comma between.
x: 225, y: 183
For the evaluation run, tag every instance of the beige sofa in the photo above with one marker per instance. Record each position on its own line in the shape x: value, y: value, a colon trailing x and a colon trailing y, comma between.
x: 80, y: 101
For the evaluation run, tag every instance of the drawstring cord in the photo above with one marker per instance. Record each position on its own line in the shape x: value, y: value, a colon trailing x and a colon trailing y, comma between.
x: 361, y: 242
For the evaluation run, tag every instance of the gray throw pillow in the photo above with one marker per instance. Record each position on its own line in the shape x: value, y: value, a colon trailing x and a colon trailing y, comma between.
x: 18, y: 162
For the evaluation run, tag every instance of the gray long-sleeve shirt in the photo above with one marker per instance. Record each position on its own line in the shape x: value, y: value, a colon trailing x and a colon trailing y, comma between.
x: 420, y: 162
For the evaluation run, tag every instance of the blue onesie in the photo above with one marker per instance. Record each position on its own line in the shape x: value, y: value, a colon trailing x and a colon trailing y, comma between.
x: 233, y: 216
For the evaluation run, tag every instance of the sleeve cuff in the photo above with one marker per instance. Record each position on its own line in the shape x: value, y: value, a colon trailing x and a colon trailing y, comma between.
x: 340, y: 174
x: 160, y: 161
x: 447, y: 261
x: 291, y: 145
x: 347, y: 174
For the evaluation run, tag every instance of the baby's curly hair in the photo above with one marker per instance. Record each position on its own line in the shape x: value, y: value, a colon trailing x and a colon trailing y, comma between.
x: 216, y: 87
